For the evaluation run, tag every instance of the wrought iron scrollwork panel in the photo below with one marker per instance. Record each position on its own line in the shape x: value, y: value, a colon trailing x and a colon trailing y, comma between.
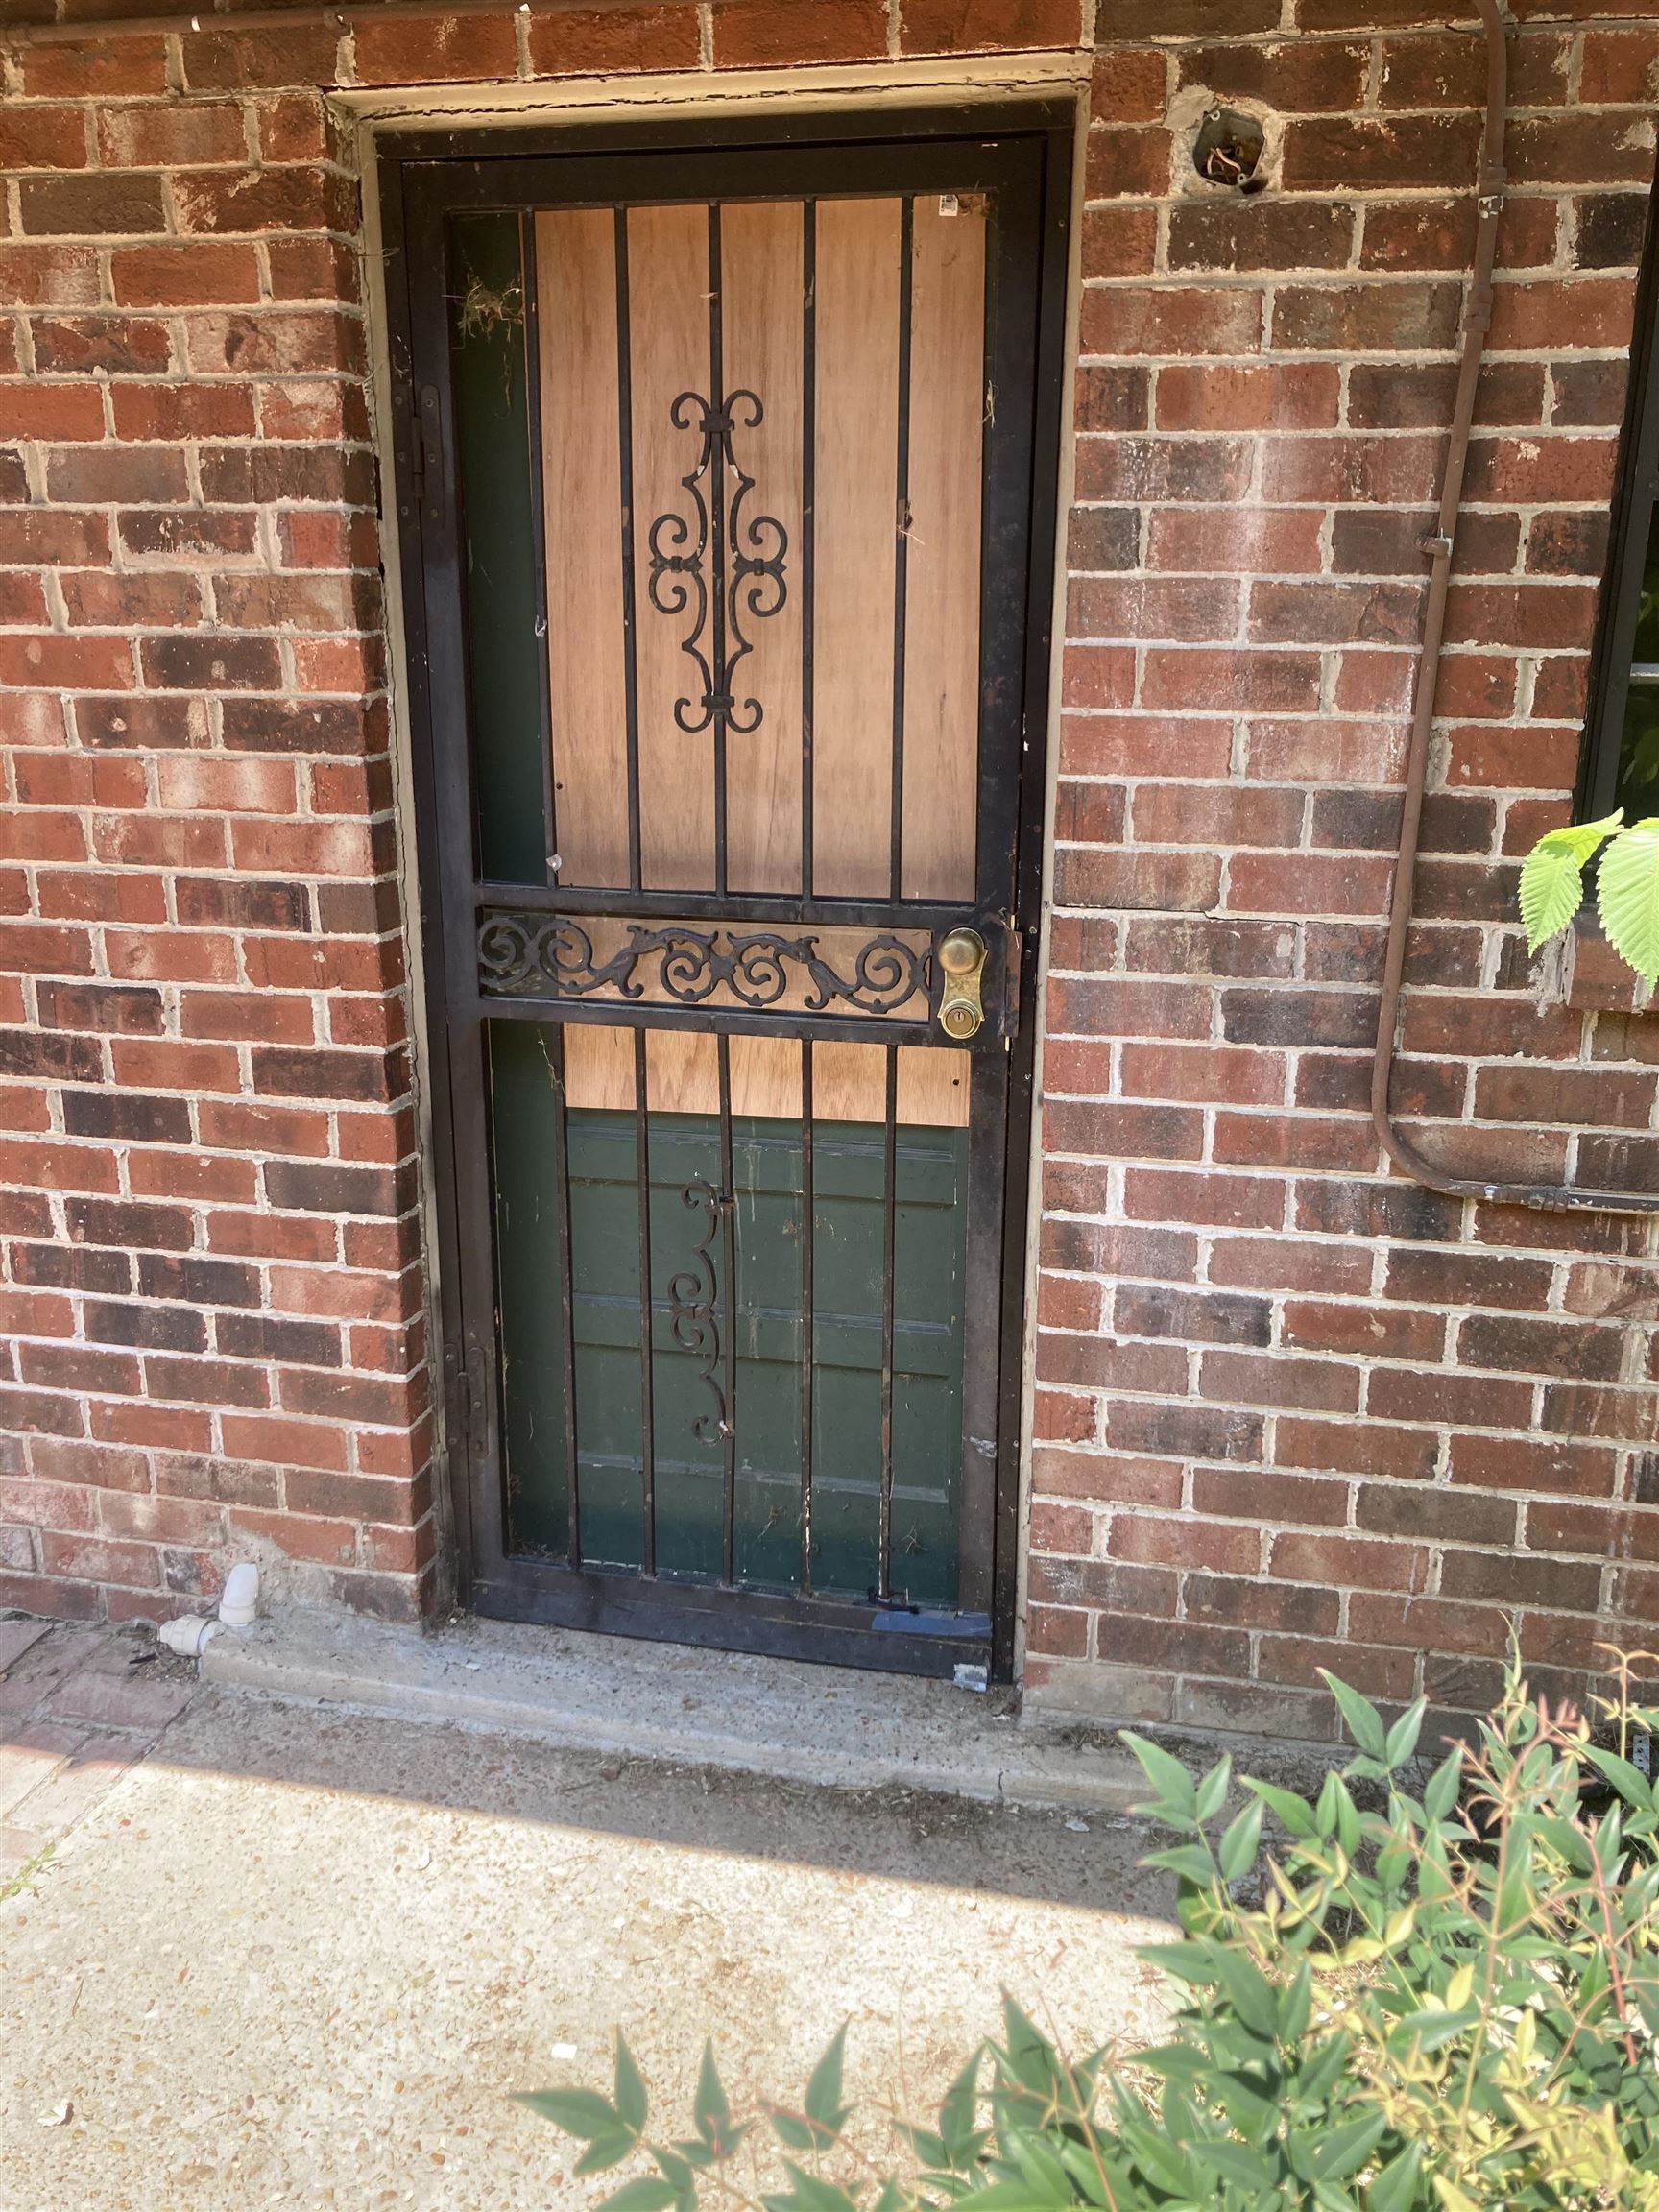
x: 694, y: 1296
x: 748, y: 555
x: 535, y: 955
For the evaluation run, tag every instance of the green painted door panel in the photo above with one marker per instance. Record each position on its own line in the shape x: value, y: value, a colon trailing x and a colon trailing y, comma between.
x: 766, y: 1318
x: 505, y: 627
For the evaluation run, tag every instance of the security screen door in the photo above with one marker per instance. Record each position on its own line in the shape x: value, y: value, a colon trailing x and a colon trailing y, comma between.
x: 729, y: 651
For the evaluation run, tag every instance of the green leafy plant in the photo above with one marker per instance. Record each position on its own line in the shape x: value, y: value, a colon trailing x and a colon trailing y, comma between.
x: 1626, y: 885
x: 1443, y: 1997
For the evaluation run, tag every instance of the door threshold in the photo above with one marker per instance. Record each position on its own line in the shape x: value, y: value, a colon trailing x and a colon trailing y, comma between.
x: 840, y: 1727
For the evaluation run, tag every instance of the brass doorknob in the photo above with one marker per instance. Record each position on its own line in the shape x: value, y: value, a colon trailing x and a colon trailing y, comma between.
x: 962, y: 964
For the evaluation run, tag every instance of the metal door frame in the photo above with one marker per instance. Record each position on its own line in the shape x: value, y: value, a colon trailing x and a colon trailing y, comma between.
x: 917, y: 148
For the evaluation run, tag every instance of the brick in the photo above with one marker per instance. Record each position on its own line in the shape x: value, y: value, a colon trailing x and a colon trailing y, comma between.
x: 966, y: 26
x: 1241, y: 680
x: 1400, y: 152
x: 1126, y: 165
x: 170, y: 137
x: 39, y: 136
x: 1159, y: 469
x: 603, y: 41
x: 125, y: 1115
x: 1295, y: 76
x: 1261, y: 234
x: 1129, y: 85
x: 1234, y: 539
x: 1192, y: 19
x: 1195, y: 319
x: 758, y: 33
x: 1608, y: 147
x: 76, y: 206
x: 1395, y: 318
x: 447, y: 47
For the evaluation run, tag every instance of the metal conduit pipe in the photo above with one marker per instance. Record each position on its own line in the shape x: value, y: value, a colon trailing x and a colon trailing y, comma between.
x: 90, y: 30
x: 1543, y: 1197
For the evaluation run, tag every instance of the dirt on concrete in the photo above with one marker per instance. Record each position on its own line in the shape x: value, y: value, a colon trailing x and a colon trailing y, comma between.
x: 300, y: 1957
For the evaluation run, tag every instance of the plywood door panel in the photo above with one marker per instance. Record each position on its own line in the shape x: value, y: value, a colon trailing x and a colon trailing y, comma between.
x: 761, y: 307
x: 581, y: 477
x: 857, y: 318
x: 942, y: 594
x: 668, y: 313
x: 858, y: 297
x: 599, y: 1067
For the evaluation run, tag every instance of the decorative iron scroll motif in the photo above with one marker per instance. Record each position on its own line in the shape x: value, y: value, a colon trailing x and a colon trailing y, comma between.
x: 691, y: 1315
x: 541, y: 955
x: 748, y: 554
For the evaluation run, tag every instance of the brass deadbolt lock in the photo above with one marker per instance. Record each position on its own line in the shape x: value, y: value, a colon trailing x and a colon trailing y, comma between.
x: 962, y: 964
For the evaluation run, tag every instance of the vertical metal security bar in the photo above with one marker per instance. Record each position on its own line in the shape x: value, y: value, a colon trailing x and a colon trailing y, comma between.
x: 728, y: 1312
x: 717, y: 503
x: 808, y: 498
x: 642, y: 1171
x: 567, y: 1288
x: 901, y: 537
x: 889, y: 1220
x: 807, y: 1330
x: 629, y: 638
x: 538, y: 518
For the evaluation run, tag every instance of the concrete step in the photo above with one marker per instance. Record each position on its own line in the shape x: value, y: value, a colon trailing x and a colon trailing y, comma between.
x: 837, y: 1726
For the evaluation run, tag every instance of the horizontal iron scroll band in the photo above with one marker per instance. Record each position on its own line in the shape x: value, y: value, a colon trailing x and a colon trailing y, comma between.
x: 538, y: 955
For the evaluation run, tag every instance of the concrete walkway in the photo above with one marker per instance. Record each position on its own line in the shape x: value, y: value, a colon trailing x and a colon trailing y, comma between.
x: 284, y: 1954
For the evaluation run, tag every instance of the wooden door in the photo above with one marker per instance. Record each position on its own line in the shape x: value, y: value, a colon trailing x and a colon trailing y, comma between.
x: 723, y: 472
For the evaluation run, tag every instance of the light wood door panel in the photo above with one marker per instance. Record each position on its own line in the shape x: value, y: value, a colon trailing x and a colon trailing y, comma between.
x: 896, y: 391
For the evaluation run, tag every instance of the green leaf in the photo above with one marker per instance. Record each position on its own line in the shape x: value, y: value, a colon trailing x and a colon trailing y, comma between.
x: 1402, y: 1739
x: 605, y: 2151
x: 1236, y: 2162
x: 1028, y: 2056
x: 1551, y: 878
x: 579, y: 2112
x: 1344, y: 2150
x: 1627, y: 896
x: 1395, y: 2185
x: 957, y: 2114
x: 1192, y: 1861
x: 1631, y: 1784
x: 676, y: 2170
x: 1292, y: 1813
x: 812, y: 2195
x: 1167, y: 1775
x: 629, y: 2092
x: 1083, y: 2167
x: 1364, y: 1721
x: 1236, y: 1854
x: 711, y: 2112
x: 1212, y: 1790
x: 791, y: 2130
x: 1193, y: 1963
x: 1295, y: 2005
x: 646, y: 2194
x: 1251, y: 1993
x: 1431, y: 2029
x: 823, y: 2105
x: 1441, y: 1791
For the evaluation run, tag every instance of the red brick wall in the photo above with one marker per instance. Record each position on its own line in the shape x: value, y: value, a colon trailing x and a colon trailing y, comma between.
x: 1293, y: 1414
x: 1289, y: 1413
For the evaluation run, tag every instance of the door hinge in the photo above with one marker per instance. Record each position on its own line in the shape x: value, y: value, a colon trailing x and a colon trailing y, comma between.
x: 473, y: 1395
x: 426, y: 458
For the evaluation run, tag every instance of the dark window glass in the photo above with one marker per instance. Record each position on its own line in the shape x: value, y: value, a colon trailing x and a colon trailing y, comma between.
x: 1622, y: 761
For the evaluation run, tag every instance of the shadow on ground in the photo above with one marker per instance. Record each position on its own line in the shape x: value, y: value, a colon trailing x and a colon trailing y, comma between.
x: 305, y: 1956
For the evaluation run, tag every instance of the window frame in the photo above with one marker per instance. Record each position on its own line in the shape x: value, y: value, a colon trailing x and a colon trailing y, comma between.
x: 1635, y: 502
